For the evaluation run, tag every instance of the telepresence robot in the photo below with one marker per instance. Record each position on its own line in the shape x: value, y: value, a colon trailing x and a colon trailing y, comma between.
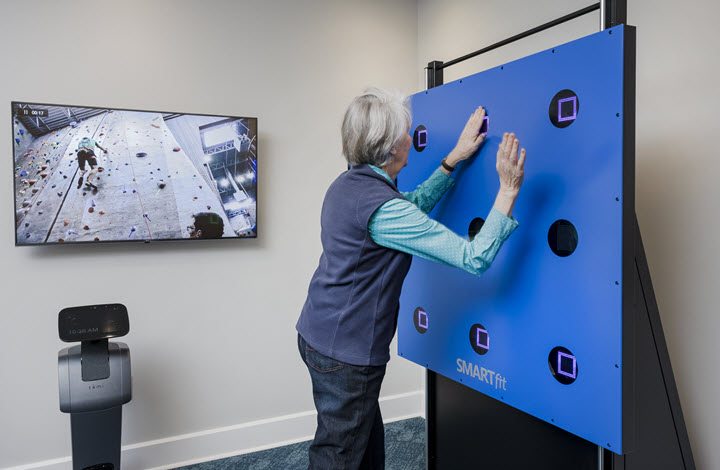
x: 95, y: 382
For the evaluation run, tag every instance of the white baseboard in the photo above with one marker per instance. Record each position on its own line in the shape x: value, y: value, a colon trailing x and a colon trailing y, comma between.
x: 188, y: 449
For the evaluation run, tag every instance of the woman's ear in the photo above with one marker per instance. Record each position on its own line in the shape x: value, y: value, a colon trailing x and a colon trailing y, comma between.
x: 393, y: 152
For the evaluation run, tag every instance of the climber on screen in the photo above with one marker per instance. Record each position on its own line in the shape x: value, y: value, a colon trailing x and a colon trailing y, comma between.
x: 86, y: 153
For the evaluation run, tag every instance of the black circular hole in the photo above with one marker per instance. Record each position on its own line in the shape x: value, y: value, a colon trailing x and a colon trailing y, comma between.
x: 479, y: 339
x: 553, y: 51
x: 563, y: 365
x: 421, y: 320
x: 420, y: 138
x: 564, y: 108
x: 475, y: 227
x: 502, y: 68
x: 562, y: 238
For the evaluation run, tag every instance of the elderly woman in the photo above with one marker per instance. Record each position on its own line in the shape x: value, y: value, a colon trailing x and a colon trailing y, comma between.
x: 370, y: 232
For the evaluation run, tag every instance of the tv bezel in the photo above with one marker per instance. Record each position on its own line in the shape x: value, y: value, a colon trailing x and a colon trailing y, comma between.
x: 14, y: 103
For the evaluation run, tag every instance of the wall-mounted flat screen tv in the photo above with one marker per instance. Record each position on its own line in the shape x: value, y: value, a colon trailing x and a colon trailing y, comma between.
x: 88, y: 174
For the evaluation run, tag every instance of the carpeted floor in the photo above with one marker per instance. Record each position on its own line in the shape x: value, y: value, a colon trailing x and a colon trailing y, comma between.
x: 404, y: 450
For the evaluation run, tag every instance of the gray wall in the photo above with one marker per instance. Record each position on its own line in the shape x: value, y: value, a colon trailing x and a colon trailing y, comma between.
x: 212, y: 324
x: 676, y: 193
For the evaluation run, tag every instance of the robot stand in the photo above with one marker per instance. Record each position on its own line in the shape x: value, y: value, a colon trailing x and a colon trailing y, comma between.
x: 95, y: 382
x: 96, y: 438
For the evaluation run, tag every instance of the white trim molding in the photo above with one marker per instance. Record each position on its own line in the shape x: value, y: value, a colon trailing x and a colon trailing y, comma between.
x: 228, y: 441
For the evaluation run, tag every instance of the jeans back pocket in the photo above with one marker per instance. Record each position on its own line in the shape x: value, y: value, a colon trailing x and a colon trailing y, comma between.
x: 320, y: 362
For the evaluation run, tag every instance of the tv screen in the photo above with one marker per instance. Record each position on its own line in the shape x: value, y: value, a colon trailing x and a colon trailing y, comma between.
x: 87, y: 174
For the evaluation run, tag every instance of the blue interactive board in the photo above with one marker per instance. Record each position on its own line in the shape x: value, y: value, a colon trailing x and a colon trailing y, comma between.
x: 541, y: 330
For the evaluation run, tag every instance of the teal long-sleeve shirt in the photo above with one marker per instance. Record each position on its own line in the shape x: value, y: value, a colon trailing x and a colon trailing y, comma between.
x: 403, y: 225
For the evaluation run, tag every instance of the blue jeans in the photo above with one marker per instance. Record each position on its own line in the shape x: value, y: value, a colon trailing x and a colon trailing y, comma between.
x: 350, y: 433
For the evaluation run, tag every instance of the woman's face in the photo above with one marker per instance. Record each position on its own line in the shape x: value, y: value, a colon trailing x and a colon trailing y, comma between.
x: 402, y: 149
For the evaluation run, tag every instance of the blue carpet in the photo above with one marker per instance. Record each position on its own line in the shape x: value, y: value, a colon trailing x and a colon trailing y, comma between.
x: 404, y: 450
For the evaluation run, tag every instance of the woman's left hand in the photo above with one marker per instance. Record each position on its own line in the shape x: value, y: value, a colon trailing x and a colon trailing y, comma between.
x: 470, y: 138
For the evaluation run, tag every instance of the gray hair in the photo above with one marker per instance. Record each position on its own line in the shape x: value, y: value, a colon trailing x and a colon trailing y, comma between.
x: 374, y: 123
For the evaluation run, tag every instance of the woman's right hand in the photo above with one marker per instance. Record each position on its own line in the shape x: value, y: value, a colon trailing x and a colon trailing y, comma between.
x: 510, y: 168
x: 470, y: 138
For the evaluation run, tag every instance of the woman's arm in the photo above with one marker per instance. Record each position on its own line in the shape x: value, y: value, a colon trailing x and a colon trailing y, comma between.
x: 400, y: 225
x: 427, y: 194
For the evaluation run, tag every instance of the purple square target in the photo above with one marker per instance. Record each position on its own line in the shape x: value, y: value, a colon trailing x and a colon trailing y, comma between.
x: 564, y: 116
x: 568, y: 367
x: 422, y: 319
x: 482, y: 339
x: 422, y: 138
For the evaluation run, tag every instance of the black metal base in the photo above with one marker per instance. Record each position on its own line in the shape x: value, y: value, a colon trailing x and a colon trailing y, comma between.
x: 662, y: 439
x: 469, y: 430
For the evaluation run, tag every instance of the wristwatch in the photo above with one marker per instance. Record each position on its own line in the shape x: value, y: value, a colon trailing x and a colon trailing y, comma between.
x: 446, y: 166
